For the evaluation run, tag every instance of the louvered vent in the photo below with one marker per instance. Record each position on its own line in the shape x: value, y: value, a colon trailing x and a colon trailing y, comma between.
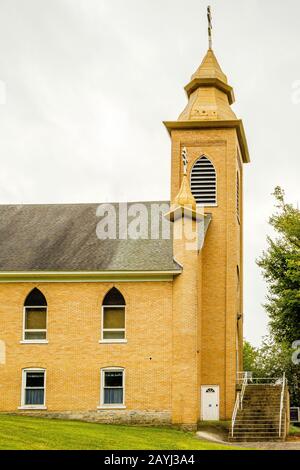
x: 203, y: 182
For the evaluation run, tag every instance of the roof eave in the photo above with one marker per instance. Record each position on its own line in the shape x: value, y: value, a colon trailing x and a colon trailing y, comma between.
x: 210, y: 82
x: 215, y: 124
x: 86, y: 276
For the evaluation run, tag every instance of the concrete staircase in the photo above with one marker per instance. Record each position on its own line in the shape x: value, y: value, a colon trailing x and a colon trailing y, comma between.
x: 258, y: 419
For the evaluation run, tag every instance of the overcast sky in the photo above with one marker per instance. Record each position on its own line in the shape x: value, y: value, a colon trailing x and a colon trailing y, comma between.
x: 86, y: 84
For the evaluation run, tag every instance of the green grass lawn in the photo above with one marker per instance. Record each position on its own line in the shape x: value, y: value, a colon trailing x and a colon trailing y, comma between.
x: 294, y: 430
x: 25, y: 433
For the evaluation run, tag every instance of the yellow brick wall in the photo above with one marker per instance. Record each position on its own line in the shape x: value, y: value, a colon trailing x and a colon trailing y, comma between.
x: 188, y: 328
x: 73, y: 358
x: 185, y: 391
x: 221, y: 254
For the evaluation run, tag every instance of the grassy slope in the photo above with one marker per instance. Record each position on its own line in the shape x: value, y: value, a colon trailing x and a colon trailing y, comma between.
x: 18, y: 432
x: 294, y: 430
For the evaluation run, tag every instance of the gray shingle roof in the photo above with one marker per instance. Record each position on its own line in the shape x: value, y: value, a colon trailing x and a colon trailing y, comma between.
x: 62, y: 237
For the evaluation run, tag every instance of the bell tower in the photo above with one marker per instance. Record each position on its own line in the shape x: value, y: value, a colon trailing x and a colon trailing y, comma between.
x: 217, y: 148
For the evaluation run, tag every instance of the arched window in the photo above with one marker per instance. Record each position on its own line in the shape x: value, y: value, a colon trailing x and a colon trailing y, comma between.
x: 35, y: 317
x: 204, y: 182
x: 113, y: 317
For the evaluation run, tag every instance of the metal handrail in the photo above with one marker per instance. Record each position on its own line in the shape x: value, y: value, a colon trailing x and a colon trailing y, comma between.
x: 239, y: 402
x: 245, y: 381
x: 281, y: 403
x: 266, y: 379
x: 235, y: 410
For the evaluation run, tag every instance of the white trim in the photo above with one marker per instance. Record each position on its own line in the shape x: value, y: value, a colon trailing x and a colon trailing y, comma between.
x: 111, y: 340
x: 111, y: 406
x: 32, y: 407
x: 23, y: 387
x: 207, y: 205
x: 87, y: 276
x: 32, y: 341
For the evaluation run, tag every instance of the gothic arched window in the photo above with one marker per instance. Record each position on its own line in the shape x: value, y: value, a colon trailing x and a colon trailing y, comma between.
x: 113, y: 317
x: 35, y: 317
x: 204, y: 182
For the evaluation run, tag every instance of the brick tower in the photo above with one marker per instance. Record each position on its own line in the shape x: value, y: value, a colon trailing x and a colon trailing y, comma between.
x: 217, y: 149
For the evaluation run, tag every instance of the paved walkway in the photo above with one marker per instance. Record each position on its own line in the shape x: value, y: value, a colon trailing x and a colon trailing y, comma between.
x: 287, y: 445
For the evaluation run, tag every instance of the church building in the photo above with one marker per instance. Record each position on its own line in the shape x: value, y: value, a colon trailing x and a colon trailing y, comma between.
x: 145, y: 329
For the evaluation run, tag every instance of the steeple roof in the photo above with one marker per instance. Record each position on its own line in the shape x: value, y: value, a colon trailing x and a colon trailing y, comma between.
x: 210, y: 68
x: 209, y: 95
x: 209, y: 100
x: 210, y: 74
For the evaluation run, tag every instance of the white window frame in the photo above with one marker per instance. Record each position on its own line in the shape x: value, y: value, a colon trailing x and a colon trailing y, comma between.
x: 112, y: 340
x: 102, y: 382
x: 215, y: 204
x: 34, y: 341
x: 23, y: 390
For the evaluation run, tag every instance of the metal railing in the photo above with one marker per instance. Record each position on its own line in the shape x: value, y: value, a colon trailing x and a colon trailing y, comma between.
x: 235, y: 410
x: 245, y: 381
x: 282, y: 402
x: 239, y: 398
x: 246, y: 378
x: 266, y: 381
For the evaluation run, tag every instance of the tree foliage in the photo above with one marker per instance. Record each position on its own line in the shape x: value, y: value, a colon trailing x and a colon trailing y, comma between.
x: 271, y: 360
x: 281, y: 268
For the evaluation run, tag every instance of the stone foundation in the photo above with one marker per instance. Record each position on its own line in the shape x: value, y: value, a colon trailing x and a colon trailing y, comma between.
x: 135, y: 417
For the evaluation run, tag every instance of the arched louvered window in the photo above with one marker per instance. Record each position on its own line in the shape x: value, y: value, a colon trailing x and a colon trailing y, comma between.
x: 35, y: 317
x: 113, y: 317
x: 204, y: 182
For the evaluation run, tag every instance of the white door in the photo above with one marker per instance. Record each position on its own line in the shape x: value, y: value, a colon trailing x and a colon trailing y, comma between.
x: 210, y: 402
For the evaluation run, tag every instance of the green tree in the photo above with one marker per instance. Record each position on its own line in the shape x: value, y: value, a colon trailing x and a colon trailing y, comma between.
x: 250, y: 354
x: 281, y: 269
x: 270, y: 360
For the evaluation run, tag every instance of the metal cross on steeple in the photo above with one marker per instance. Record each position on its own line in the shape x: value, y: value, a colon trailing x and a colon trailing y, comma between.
x: 209, y: 18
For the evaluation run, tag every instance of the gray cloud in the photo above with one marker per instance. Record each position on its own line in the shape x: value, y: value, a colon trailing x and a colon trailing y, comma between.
x: 88, y: 83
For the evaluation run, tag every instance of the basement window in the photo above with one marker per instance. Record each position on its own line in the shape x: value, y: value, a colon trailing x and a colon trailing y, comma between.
x: 112, y: 387
x: 33, y: 388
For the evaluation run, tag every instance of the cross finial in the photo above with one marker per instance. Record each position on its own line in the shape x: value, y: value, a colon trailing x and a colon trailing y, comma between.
x: 184, y: 160
x: 209, y: 18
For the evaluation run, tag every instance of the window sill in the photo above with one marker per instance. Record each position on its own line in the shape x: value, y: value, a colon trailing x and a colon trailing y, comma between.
x: 32, y: 407
x: 111, y: 407
x: 113, y: 341
x: 34, y: 341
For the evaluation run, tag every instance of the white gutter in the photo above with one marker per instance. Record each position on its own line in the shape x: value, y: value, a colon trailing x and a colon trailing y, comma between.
x: 86, y: 276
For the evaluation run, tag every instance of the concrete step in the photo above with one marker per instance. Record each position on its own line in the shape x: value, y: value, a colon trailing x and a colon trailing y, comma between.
x: 257, y: 420
x: 261, y: 401
x: 255, y: 439
x: 258, y: 435
x: 258, y: 426
x: 258, y: 413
